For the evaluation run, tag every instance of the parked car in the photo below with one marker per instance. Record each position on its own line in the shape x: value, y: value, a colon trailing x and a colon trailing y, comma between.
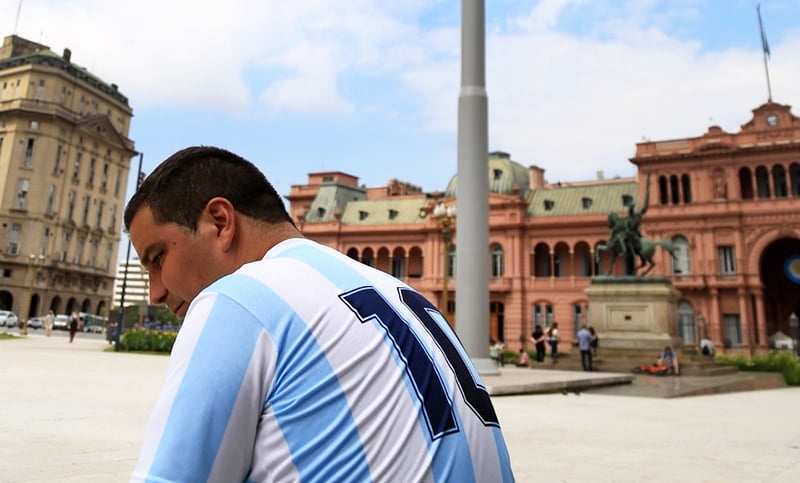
x: 8, y: 319
x: 60, y: 323
x: 36, y: 323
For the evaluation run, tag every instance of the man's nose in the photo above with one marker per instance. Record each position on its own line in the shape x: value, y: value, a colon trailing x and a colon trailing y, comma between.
x: 158, y: 292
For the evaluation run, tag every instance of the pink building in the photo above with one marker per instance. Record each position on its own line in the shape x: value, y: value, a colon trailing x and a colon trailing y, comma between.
x: 729, y: 202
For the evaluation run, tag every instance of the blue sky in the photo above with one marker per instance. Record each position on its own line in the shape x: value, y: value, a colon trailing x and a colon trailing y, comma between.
x: 370, y: 87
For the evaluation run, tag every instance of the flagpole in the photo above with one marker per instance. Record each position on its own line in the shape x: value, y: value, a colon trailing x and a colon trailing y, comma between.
x: 764, y: 51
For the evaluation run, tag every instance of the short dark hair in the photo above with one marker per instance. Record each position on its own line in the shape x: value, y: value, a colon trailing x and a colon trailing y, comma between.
x: 181, y: 186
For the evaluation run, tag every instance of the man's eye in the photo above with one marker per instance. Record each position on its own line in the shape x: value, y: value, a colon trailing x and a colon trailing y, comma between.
x: 157, y: 260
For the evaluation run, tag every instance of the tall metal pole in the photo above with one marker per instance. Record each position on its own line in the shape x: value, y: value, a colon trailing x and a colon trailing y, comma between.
x: 120, y: 323
x: 472, y: 191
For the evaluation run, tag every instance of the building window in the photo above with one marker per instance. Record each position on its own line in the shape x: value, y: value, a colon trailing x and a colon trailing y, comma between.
x: 497, y: 261
x: 51, y: 198
x: 733, y: 330
x: 762, y: 182
x: 577, y: 317
x: 12, y: 238
x: 99, y: 220
x: 779, y: 181
x: 44, y: 242
x: 116, y: 184
x: 549, y: 204
x: 727, y: 260
x: 557, y: 265
x: 392, y: 214
x: 109, y: 252
x: 627, y: 200
x: 91, y: 171
x: 104, y: 178
x: 586, y: 203
x: 398, y: 267
x: 674, y: 189
x: 77, y: 170
x: 94, y: 245
x: 79, y: 253
x: 498, y: 173
x: 663, y: 191
x: 680, y: 262
x: 57, y: 163
x: 72, y: 199
x: 113, y: 225
x: 362, y: 215
x: 86, y: 201
x: 27, y: 160
x: 65, y: 239
x: 686, y: 321
x: 686, y: 184
x: 20, y: 201
x: 746, y: 184
x: 585, y: 264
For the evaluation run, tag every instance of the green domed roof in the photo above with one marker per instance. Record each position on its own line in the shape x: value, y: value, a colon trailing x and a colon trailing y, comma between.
x: 504, y: 175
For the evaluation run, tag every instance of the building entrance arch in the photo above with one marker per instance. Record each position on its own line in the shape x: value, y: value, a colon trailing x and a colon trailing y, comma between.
x: 779, y: 270
x: 6, y: 300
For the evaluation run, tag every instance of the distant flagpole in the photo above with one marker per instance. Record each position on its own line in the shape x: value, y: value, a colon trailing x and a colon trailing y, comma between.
x: 765, y: 50
x: 16, y: 22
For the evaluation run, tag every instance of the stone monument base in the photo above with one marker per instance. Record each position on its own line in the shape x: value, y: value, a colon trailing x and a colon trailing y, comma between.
x: 632, y: 312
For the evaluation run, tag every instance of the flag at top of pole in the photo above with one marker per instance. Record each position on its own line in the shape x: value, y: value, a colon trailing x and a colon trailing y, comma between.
x: 765, y: 48
x: 764, y: 44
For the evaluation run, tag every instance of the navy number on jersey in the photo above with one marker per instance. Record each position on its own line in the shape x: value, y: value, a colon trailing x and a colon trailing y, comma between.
x: 369, y: 305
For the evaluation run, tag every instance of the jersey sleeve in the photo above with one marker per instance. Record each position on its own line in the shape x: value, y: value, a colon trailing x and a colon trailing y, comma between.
x: 204, y: 424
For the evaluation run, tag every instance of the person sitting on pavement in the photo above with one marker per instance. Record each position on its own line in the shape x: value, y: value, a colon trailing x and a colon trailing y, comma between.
x: 669, y: 359
x: 707, y: 347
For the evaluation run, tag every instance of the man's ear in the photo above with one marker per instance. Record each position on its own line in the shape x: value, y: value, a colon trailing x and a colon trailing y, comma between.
x: 221, y: 215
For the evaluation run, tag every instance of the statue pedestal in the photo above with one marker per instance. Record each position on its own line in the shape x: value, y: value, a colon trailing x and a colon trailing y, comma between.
x: 632, y: 312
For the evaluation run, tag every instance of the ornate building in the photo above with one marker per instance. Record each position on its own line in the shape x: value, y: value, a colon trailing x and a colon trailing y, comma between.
x: 64, y: 160
x: 729, y: 203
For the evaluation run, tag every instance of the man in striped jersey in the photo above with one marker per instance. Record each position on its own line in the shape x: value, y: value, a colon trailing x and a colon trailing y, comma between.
x: 294, y: 362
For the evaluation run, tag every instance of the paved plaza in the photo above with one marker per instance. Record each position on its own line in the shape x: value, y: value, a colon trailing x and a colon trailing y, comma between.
x: 73, y: 413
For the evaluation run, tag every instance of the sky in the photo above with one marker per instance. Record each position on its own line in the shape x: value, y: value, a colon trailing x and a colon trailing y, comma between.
x: 370, y: 87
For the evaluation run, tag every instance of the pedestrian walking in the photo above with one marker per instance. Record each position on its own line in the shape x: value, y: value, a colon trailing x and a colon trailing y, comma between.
x: 553, y: 338
x: 538, y: 338
x: 49, y: 320
x: 585, y: 346
x: 73, y: 326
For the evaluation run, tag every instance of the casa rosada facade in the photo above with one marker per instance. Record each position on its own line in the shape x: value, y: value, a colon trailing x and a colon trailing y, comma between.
x: 729, y: 202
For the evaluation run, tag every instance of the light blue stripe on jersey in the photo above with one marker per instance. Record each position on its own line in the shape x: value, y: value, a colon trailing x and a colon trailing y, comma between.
x: 347, y: 278
x: 224, y: 349
x: 502, y: 456
x: 307, y: 399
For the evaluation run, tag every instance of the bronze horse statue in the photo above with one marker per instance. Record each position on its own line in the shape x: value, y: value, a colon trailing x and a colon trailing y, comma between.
x: 623, y: 242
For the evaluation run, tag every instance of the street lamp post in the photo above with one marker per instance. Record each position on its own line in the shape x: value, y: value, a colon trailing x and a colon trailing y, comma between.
x: 794, y: 325
x: 445, y: 217
x: 32, y: 260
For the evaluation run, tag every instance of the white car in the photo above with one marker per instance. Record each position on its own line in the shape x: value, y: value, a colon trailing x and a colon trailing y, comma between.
x: 60, y: 323
x: 8, y: 319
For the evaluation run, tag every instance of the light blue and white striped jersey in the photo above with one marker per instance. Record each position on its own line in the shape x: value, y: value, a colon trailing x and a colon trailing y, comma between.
x: 310, y: 366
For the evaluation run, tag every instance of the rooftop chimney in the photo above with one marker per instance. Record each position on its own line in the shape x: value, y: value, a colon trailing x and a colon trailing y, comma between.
x: 67, y: 55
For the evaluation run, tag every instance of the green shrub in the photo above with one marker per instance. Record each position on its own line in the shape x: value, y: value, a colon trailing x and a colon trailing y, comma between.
x: 148, y: 340
x: 784, y: 362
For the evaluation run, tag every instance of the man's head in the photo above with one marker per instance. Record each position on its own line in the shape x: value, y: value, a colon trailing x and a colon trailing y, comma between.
x: 178, y: 190
x: 198, y: 217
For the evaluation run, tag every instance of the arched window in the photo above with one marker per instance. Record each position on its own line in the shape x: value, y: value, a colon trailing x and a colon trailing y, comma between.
x: 353, y: 253
x: 367, y: 257
x: 680, y: 262
x: 779, y: 181
x: 686, y: 321
x: 746, y: 183
x: 675, y: 189
x: 399, y: 263
x: 762, y: 180
x: 497, y: 261
x: 663, y: 190
x: 686, y: 184
x: 794, y: 175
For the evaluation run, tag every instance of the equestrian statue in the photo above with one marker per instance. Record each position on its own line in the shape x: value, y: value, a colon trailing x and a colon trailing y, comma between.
x: 626, y: 240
